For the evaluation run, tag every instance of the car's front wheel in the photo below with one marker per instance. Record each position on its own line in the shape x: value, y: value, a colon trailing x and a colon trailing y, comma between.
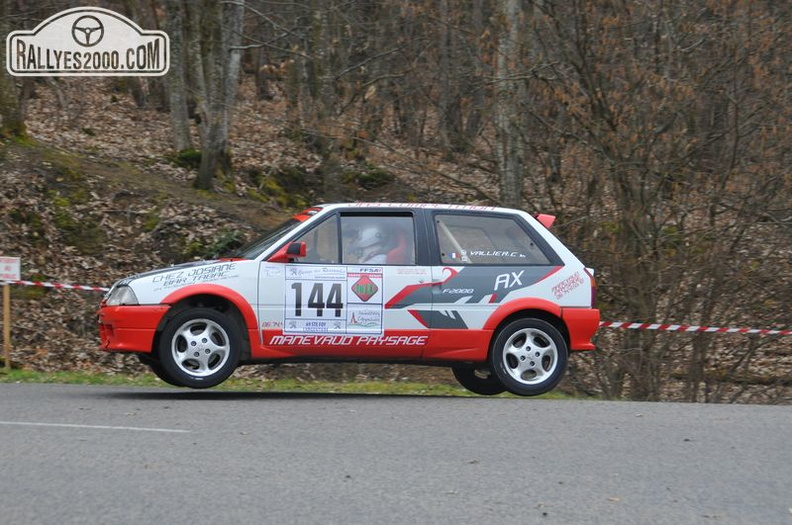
x: 479, y: 380
x: 529, y: 356
x: 200, y: 347
x: 157, y: 368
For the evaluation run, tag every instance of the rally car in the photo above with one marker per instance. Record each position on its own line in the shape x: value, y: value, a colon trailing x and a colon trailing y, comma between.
x: 488, y: 291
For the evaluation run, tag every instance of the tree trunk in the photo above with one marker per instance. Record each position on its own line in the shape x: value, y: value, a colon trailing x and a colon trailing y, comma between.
x: 222, y: 55
x: 12, y: 122
x: 509, y: 144
x: 177, y: 87
x: 473, y: 123
x: 446, y: 95
x: 194, y: 71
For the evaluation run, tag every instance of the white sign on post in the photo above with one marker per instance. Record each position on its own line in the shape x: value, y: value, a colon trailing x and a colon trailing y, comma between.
x: 10, y: 269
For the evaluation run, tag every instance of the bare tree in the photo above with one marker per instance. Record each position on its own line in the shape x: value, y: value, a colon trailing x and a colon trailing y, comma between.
x: 665, y: 107
x: 221, y: 25
x: 12, y: 121
x: 509, y: 146
x: 176, y: 78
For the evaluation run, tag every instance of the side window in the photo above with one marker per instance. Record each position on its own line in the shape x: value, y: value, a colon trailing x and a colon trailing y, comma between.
x: 378, y: 239
x: 322, y: 242
x: 475, y: 239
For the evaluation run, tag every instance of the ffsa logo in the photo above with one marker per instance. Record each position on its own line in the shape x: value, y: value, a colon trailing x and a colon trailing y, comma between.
x: 90, y: 41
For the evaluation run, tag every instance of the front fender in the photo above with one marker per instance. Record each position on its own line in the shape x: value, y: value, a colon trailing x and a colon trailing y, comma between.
x: 217, y: 290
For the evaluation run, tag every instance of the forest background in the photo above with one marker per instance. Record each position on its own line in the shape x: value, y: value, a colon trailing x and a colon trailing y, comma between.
x: 658, y: 133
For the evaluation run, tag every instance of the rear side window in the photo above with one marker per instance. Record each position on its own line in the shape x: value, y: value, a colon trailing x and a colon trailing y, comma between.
x: 486, y: 240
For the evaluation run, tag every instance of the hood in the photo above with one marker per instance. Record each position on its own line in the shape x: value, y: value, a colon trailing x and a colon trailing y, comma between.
x: 182, y: 266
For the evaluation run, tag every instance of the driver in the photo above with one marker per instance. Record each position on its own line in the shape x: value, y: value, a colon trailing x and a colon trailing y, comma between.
x: 371, y: 245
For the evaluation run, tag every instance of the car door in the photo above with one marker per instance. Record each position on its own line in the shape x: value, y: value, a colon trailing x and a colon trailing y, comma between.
x: 342, y: 298
x: 379, y: 249
x: 300, y: 301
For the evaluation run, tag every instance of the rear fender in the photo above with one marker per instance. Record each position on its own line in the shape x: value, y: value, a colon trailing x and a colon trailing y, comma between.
x: 518, y: 305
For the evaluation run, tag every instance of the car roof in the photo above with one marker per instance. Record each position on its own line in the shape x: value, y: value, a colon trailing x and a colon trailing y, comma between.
x: 407, y: 205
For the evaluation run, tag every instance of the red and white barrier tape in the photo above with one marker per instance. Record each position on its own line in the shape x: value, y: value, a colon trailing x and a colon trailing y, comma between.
x: 689, y: 328
x: 58, y: 286
x: 603, y: 324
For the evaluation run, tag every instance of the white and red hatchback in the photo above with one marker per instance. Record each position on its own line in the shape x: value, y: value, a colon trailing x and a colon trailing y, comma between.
x: 488, y: 291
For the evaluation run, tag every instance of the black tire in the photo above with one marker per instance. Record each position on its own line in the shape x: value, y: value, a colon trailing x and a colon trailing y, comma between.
x: 200, y: 347
x: 529, y: 356
x: 479, y: 380
x: 158, y: 369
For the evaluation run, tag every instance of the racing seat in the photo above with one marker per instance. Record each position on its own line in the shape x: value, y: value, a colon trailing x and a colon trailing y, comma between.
x: 402, y: 253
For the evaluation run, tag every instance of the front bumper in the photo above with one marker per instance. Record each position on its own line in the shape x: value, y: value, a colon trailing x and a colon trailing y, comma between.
x: 129, y: 328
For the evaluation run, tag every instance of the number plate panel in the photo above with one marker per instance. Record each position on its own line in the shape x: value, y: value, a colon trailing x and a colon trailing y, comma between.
x: 333, y: 300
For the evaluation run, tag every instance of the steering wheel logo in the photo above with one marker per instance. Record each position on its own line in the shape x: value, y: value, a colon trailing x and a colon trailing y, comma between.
x: 87, y: 31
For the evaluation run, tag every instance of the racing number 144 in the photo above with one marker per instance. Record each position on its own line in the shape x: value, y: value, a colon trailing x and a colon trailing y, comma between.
x: 316, y: 299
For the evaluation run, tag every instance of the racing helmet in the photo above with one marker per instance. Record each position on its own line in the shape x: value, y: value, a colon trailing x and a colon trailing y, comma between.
x: 369, y: 239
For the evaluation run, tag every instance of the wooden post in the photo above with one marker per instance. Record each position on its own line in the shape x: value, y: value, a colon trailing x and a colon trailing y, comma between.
x: 7, y: 325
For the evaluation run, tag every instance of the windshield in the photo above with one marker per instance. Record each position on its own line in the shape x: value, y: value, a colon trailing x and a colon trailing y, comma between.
x: 258, y: 246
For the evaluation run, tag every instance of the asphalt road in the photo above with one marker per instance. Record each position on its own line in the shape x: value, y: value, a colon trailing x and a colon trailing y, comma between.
x: 112, y: 455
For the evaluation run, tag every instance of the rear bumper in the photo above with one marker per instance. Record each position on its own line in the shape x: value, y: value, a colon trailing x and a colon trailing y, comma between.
x: 129, y: 328
x: 582, y: 324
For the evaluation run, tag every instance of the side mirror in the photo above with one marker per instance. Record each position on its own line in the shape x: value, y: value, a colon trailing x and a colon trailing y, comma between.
x: 293, y: 250
x: 296, y: 249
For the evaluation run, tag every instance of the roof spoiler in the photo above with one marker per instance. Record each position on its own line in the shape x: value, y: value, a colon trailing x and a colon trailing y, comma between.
x: 546, y: 220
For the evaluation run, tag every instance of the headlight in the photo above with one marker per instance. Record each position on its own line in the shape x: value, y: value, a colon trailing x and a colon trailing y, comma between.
x: 121, y: 295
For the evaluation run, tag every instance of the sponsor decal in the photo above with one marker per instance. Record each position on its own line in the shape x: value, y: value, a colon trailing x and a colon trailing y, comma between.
x: 411, y: 270
x: 364, y: 288
x: 364, y: 320
x: 497, y: 253
x: 348, y: 340
x: 567, y: 285
x: 314, y: 273
x: 87, y: 41
x: 272, y: 271
x: 199, y: 274
x: 509, y: 280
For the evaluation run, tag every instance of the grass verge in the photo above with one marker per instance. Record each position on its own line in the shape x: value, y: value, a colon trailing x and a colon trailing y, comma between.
x: 235, y: 384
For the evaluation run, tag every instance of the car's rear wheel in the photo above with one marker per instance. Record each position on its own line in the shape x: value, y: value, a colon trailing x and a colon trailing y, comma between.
x: 478, y: 379
x: 200, y: 347
x: 529, y: 356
